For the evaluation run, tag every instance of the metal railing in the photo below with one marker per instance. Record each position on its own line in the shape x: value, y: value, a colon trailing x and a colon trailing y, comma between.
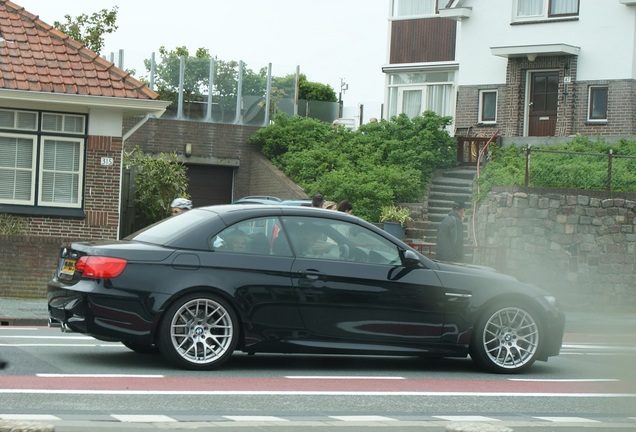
x: 607, y: 186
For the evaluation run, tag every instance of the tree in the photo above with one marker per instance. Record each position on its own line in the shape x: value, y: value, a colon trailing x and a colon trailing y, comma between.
x: 158, y: 180
x: 90, y: 30
x: 196, y: 85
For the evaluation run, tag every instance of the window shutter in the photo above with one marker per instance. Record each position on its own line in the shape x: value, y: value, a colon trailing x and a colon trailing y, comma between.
x: 60, y: 171
x: 16, y: 169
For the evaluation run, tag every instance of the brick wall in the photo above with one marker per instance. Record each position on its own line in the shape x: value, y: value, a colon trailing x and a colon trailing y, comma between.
x: 28, y: 263
x: 573, y: 102
x: 581, y: 246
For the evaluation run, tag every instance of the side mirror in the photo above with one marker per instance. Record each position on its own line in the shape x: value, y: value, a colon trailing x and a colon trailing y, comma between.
x: 411, y: 259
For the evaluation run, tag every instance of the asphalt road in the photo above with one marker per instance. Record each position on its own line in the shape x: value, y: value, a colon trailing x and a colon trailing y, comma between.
x: 77, y: 383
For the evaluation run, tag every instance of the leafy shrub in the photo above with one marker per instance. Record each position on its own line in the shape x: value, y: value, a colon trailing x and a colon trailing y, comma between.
x: 158, y: 180
x: 10, y: 224
x: 578, y: 164
x: 380, y: 164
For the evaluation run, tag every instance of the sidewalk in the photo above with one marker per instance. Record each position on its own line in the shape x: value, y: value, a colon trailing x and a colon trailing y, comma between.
x: 34, y: 312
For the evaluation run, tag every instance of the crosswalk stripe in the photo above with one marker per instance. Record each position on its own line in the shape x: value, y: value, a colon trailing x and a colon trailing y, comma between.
x: 29, y: 417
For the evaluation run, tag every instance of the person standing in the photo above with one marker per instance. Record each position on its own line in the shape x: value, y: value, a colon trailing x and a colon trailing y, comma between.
x: 317, y: 200
x: 450, y: 235
x: 345, y: 206
x: 179, y: 205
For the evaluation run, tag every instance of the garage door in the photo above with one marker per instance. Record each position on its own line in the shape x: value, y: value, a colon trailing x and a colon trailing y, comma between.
x: 209, y: 184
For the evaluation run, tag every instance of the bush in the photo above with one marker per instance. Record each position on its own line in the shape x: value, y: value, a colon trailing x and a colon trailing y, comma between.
x: 158, y: 181
x: 380, y: 164
x: 580, y: 164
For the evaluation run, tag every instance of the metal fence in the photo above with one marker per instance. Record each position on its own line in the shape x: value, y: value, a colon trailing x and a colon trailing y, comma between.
x: 209, y: 90
x: 584, y: 175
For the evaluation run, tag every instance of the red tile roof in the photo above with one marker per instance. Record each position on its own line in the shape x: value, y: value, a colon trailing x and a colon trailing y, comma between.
x: 35, y: 56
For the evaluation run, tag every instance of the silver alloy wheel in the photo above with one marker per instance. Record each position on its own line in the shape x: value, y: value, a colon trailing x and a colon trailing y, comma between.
x: 201, y: 331
x: 511, y: 338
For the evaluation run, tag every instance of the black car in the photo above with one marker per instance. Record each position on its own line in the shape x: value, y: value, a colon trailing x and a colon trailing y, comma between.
x: 292, y: 279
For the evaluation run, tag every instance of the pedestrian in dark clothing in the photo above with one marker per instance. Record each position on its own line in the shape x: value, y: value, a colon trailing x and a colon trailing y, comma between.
x: 450, y: 235
x: 317, y: 200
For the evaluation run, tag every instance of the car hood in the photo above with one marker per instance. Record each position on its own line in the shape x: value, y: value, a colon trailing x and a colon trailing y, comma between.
x: 474, y: 277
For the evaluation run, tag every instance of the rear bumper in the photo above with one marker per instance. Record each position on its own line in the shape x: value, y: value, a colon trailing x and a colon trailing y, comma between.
x: 102, y: 315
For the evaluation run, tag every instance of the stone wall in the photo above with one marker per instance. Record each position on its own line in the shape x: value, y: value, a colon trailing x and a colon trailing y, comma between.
x: 579, y: 245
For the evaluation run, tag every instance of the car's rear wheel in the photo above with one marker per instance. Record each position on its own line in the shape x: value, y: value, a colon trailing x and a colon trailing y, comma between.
x: 198, y: 332
x: 507, y: 339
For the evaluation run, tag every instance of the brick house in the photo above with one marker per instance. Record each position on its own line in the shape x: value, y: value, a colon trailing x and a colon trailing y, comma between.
x: 62, y: 109
x: 528, y: 68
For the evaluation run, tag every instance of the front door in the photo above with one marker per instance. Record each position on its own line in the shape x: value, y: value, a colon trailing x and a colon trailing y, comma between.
x: 544, y: 98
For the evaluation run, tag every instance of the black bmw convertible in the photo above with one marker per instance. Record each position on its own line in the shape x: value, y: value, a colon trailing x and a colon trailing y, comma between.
x: 283, y: 279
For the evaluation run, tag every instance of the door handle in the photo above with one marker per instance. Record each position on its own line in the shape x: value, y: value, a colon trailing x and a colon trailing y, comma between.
x: 311, y: 274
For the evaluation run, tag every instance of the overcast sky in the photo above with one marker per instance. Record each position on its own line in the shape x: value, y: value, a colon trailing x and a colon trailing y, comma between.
x: 328, y: 39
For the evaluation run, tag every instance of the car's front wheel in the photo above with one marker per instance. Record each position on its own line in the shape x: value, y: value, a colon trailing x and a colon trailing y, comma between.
x: 198, y: 332
x: 507, y: 339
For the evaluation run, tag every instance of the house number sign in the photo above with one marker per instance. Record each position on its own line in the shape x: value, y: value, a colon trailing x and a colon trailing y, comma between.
x: 107, y: 161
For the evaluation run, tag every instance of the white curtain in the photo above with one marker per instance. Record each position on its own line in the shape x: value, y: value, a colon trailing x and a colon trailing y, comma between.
x: 563, y: 7
x: 439, y: 99
x: 530, y: 7
x: 412, y: 103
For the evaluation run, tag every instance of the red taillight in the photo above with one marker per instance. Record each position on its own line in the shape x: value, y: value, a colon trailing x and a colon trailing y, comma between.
x: 100, y: 267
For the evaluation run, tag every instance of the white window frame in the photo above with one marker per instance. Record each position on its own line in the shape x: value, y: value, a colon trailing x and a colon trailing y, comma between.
x: 481, y: 107
x: 76, y: 201
x: 38, y: 170
x: 544, y: 14
x: 590, y: 102
x: 32, y: 169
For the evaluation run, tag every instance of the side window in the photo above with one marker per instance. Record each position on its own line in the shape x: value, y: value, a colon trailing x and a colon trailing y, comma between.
x: 260, y: 236
x: 338, y: 240
x: 597, y: 110
x: 487, y: 106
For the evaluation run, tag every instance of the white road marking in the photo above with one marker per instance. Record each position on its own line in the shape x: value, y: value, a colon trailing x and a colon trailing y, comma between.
x: 335, y: 377
x: 371, y: 418
x: 564, y: 380
x: 46, y: 337
x: 62, y: 345
x: 314, y: 393
x: 255, y: 419
x: 142, y: 418
x: 467, y: 418
x: 567, y: 419
x: 45, y: 375
x: 29, y: 417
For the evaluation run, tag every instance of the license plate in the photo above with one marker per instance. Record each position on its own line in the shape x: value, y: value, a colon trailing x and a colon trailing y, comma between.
x: 69, y: 267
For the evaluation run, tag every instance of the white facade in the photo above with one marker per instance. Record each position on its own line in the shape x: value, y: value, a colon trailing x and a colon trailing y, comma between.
x: 605, y: 32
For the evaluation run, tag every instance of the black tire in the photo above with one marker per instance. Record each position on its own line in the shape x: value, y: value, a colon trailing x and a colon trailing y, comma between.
x: 198, y: 332
x: 141, y: 348
x: 507, y: 339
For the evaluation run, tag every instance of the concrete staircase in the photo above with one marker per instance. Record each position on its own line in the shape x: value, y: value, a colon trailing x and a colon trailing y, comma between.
x: 447, y: 186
